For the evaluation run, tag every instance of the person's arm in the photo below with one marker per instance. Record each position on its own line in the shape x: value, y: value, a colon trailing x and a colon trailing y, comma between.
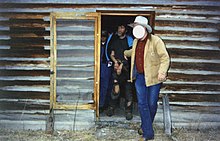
x: 127, y: 53
x: 113, y: 56
x: 164, y: 60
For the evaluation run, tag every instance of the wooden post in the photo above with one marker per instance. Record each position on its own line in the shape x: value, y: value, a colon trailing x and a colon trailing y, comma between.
x: 50, y: 122
x: 167, y: 115
x: 50, y: 119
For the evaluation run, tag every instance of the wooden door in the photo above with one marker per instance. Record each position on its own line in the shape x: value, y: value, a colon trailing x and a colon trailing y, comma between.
x: 75, y: 61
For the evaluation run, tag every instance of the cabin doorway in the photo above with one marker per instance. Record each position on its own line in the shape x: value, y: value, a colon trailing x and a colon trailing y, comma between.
x: 75, y: 56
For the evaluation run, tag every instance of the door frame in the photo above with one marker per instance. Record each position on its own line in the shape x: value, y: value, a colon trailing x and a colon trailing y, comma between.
x: 53, y: 59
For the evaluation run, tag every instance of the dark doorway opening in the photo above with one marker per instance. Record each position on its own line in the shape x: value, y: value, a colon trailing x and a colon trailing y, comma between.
x: 109, y: 22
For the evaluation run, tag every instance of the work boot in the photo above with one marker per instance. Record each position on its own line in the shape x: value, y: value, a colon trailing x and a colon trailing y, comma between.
x: 140, y: 131
x: 110, y: 111
x: 128, y: 116
x: 128, y: 111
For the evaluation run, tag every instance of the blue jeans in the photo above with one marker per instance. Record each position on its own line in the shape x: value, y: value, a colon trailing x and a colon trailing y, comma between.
x: 105, y: 83
x: 147, y: 104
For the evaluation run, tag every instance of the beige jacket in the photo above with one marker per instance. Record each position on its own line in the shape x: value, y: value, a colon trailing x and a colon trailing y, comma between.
x: 156, y: 59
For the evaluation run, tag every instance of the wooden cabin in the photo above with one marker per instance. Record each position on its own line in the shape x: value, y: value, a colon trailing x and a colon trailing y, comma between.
x: 49, y: 60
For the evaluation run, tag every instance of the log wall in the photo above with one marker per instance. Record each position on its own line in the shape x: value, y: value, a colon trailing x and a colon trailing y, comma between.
x: 190, y: 30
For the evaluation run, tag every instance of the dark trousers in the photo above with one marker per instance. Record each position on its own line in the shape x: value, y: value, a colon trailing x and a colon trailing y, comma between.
x: 125, y: 88
x: 105, y: 84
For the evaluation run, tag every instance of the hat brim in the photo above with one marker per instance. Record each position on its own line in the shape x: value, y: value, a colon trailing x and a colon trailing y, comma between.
x: 149, y: 29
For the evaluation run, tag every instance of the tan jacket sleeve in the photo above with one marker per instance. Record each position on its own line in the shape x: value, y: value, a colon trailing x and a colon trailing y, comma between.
x: 128, y: 53
x: 164, y: 57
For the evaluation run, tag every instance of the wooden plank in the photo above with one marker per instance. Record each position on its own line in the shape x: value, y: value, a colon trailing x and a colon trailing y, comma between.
x: 77, y: 73
x: 202, y: 104
x: 196, y: 72
x: 59, y: 106
x: 97, y: 63
x: 25, y: 23
x: 76, y: 53
x: 190, y: 38
x: 207, y: 48
x: 23, y: 82
x: 75, y: 60
x: 196, y: 53
x: 194, y: 98
x: 196, y: 66
x: 74, y: 22
x: 187, y: 11
x: 37, y: 88
x: 76, y: 43
x: 195, y: 114
x: 21, y: 73
x: 186, y: 19
x: 52, y: 63
x: 69, y: 90
x: 191, y: 59
x: 190, y: 92
x: 167, y: 116
x: 24, y: 78
x: 26, y: 44
x: 78, y: 83
x: 187, y: 23
x: 23, y: 95
x: 73, y: 31
x: 37, y: 116
x: 75, y: 97
x: 198, y: 34
x: 192, y: 87
x: 50, y: 122
x: 168, y: 2
x: 26, y: 15
x: 192, y: 30
x: 22, y: 59
x: 23, y: 105
x: 192, y: 77
x: 25, y: 34
x: 16, y: 63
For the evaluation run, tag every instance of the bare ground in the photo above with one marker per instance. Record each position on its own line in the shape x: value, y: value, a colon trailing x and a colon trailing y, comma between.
x: 116, y: 132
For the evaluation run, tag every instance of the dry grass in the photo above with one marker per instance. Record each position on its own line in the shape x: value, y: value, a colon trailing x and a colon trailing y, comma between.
x: 126, y: 132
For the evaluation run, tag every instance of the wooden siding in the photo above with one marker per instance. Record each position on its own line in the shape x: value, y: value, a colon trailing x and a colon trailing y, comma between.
x: 190, y: 30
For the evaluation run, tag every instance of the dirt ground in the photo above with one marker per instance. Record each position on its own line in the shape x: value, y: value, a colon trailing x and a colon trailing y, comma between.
x: 117, y: 132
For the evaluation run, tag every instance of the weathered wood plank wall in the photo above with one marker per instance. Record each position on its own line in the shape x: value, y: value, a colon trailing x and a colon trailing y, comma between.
x: 190, y: 30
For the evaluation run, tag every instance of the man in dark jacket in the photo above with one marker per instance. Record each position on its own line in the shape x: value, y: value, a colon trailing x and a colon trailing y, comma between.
x: 118, y: 44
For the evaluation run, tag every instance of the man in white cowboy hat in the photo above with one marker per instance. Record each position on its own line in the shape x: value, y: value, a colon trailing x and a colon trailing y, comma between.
x: 149, y: 65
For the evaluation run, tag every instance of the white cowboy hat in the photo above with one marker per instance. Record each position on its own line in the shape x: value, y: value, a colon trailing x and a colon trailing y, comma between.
x: 140, y: 20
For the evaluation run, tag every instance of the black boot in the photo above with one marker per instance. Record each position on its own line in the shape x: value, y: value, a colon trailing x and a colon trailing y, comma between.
x: 140, y: 131
x: 110, y: 111
x: 128, y: 112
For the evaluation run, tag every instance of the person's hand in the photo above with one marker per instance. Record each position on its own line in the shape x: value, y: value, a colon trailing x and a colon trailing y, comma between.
x: 162, y: 76
x: 125, y: 57
x: 119, y: 69
x: 116, y: 65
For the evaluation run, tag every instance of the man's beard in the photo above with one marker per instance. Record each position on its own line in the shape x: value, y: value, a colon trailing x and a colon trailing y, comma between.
x: 121, y: 34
